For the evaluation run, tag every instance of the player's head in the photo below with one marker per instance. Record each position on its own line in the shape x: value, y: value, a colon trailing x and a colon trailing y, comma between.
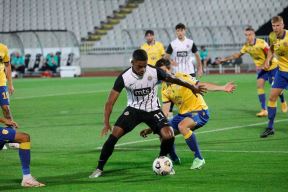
x: 249, y: 33
x: 277, y: 25
x: 139, y: 61
x: 163, y: 64
x: 149, y: 36
x: 180, y: 30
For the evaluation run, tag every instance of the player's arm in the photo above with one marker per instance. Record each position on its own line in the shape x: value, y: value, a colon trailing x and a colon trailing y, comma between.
x: 113, y: 96
x: 6, y: 60
x: 268, y: 57
x: 167, y: 55
x: 9, y: 77
x: 9, y: 122
x: 231, y: 57
x: 195, y: 89
x: 198, y: 60
x: 228, y: 87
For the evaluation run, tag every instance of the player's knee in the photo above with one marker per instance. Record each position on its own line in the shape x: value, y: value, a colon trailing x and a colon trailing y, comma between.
x: 167, y: 133
x: 25, y: 137
x: 273, y: 98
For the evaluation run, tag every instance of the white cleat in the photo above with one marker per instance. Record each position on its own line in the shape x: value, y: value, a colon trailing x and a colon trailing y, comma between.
x: 31, y: 182
x: 13, y: 145
x: 197, y: 163
x: 4, y: 147
x: 96, y: 173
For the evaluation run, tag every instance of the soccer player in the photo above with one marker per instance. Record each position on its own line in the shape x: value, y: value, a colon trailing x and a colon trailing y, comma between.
x: 154, y: 49
x: 9, y: 134
x: 258, y: 49
x: 192, y: 110
x: 5, y: 76
x: 279, y: 47
x: 140, y: 82
x: 180, y: 52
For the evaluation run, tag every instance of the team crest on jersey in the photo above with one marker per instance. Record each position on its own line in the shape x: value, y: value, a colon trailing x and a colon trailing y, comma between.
x: 126, y: 113
x: 187, y: 46
x: 5, y: 132
x: 149, y: 78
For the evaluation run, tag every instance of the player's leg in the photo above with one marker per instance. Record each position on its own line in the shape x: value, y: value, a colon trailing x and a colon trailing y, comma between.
x: 261, y: 97
x: 125, y: 123
x: 284, y: 106
x: 10, y: 135
x: 261, y: 78
x: 4, y: 102
x: 280, y: 83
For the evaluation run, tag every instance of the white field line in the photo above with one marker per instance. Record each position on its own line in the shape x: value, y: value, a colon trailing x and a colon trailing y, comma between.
x: 59, y: 94
x: 201, y: 132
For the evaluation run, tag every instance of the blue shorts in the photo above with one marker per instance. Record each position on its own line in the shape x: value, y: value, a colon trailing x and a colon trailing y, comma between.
x: 7, y: 134
x: 267, y: 75
x: 281, y: 80
x: 199, y: 117
x: 4, y: 96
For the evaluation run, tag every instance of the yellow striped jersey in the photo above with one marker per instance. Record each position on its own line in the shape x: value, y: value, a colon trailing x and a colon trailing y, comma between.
x: 280, y: 46
x: 183, y: 97
x: 154, y: 52
x: 4, y: 58
x: 257, y: 52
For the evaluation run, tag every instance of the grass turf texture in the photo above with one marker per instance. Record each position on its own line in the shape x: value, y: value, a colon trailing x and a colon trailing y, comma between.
x: 64, y: 118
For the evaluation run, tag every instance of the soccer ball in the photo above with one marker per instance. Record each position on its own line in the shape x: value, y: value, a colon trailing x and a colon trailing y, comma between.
x: 162, y: 165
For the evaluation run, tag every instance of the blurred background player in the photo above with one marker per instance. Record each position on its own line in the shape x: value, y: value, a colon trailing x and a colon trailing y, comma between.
x: 180, y: 52
x: 141, y: 82
x: 154, y: 49
x: 279, y: 47
x: 9, y: 134
x: 258, y: 49
x: 192, y: 110
x: 5, y: 76
x: 204, y: 56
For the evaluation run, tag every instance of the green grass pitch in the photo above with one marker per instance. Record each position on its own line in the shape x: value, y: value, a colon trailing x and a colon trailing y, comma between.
x: 64, y: 118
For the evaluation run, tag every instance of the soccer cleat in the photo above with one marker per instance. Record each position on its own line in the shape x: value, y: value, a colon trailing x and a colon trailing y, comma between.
x: 284, y: 107
x: 31, y: 182
x: 267, y: 132
x: 13, y: 145
x: 96, y: 173
x: 262, y: 113
x: 177, y: 161
x: 197, y: 163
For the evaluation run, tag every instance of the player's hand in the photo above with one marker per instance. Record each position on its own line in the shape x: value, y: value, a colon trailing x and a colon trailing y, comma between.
x: 199, y: 89
x: 266, y: 65
x: 173, y: 63
x: 221, y: 60
x: 200, y: 72
x: 230, y: 87
x: 105, y: 130
x: 11, y: 89
x: 10, y: 123
x: 145, y: 132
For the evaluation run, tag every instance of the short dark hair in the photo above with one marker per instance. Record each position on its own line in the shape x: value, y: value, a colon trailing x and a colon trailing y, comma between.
x: 163, y: 62
x: 249, y: 28
x: 180, y: 26
x: 149, y: 32
x: 140, y: 55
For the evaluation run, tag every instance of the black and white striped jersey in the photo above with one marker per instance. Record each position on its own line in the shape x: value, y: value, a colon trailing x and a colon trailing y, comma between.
x: 181, y: 53
x: 141, y: 91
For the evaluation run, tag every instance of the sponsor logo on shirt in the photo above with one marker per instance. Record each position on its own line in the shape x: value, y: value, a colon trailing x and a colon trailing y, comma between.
x: 142, y: 92
x: 182, y: 53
